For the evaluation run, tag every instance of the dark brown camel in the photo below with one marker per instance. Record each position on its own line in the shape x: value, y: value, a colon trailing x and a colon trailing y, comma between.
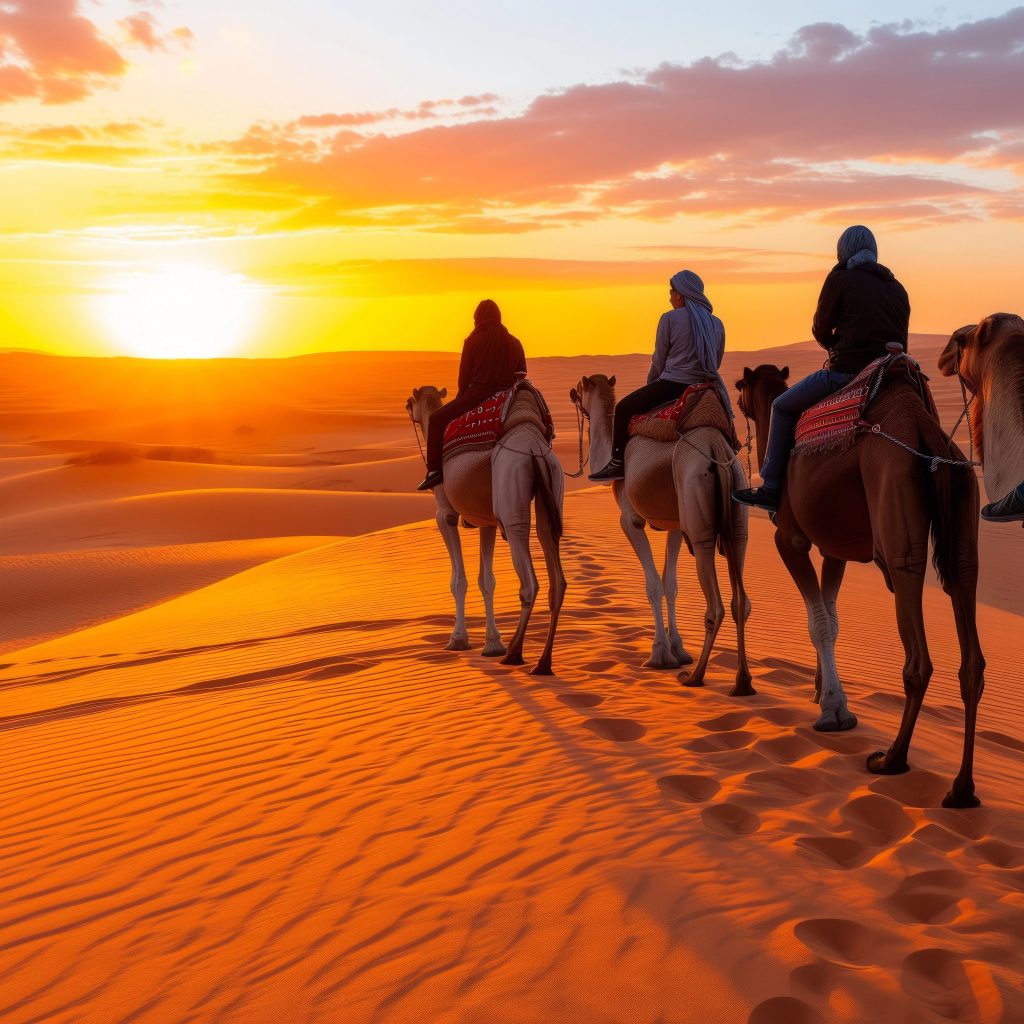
x: 874, y: 501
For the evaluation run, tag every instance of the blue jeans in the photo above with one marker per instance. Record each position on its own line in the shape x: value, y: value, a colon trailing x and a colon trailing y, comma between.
x: 786, y: 411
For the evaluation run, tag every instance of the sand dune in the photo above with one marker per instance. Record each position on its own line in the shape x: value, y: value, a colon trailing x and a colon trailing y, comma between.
x: 279, y: 798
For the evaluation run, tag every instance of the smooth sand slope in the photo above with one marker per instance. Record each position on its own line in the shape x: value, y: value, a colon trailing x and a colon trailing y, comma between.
x: 280, y: 799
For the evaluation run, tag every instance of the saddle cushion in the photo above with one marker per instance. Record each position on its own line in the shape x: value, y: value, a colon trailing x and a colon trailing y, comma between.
x: 833, y: 424
x: 481, y: 427
x: 698, y: 406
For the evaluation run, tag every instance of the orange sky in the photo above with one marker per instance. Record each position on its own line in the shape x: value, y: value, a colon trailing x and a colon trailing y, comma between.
x: 270, y: 184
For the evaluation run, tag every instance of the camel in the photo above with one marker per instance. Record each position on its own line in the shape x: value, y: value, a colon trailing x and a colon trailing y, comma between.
x: 989, y: 358
x: 494, y: 489
x: 875, y: 501
x: 683, y: 487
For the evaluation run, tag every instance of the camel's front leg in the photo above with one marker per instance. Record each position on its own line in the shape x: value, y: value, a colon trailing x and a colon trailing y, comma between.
x: 832, y: 572
x: 835, y: 715
x: 448, y: 523
x: 632, y: 527
x: 670, y: 585
x: 549, y: 533
x: 704, y: 554
x: 493, y: 647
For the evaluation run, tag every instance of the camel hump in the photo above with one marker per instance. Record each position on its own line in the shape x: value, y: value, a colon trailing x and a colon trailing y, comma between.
x: 528, y: 408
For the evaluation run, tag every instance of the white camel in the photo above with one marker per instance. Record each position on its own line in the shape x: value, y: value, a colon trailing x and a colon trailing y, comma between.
x: 494, y: 489
x: 683, y: 486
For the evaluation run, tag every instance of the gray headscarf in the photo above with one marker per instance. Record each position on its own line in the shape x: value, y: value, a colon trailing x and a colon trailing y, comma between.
x: 691, y: 287
x: 857, y: 246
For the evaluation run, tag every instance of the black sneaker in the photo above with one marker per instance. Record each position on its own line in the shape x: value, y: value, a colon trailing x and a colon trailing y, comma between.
x: 431, y: 480
x: 1007, y: 510
x: 760, y: 497
x: 615, y: 470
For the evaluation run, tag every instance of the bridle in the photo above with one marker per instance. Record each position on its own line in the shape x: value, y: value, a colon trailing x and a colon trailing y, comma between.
x: 581, y: 415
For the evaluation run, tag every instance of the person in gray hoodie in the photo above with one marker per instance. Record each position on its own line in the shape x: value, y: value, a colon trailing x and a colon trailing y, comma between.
x: 688, y: 349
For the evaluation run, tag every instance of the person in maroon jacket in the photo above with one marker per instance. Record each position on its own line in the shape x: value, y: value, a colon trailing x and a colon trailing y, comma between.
x: 492, y: 360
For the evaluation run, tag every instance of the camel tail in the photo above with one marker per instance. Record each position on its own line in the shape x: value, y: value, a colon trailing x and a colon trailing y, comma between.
x: 544, y: 493
x: 954, y: 519
x: 723, y: 500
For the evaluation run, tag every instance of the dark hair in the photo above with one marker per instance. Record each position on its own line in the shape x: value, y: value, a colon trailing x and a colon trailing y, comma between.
x: 487, y: 312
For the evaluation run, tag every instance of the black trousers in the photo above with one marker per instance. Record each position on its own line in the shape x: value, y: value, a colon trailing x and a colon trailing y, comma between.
x: 649, y: 397
x: 459, y: 405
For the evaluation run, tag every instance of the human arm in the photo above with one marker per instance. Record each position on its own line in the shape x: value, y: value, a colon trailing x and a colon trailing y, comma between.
x: 662, y: 343
x: 467, y: 364
x: 827, y: 314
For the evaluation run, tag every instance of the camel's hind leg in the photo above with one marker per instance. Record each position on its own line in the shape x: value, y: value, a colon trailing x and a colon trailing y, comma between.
x: 832, y: 572
x: 448, y: 524
x: 704, y: 555
x: 735, y: 555
x: 548, y: 533
x: 908, y: 585
x: 670, y: 586
x: 835, y: 715
x: 493, y: 647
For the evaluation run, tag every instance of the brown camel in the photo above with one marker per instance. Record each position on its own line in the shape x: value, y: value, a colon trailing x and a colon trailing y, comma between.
x: 875, y: 501
x: 494, y: 489
x: 682, y: 486
x: 990, y: 360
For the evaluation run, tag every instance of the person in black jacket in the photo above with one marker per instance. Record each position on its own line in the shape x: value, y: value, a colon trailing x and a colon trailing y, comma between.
x: 492, y: 360
x: 862, y: 307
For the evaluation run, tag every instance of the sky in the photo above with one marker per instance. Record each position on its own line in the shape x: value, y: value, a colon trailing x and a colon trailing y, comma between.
x: 268, y: 179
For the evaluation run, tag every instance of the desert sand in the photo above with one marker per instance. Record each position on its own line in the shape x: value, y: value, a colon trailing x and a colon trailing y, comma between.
x: 243, y: 780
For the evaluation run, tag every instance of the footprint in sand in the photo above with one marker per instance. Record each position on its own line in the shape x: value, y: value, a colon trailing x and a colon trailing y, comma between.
x: 876, y: 819
x: 785, y: 785
x: 938, y: 978
x: 787, y: 749
x: 918, y: 788
x: 621, y: 730
x: 730, y: 820
x: 730, y: 720
x: 596, y: 602
x: 581, y: 700
x: 996, y: 853
x: 928, y: 897
x: 938, y: 838
x: 840, y: 940
x: 600, y: 666
x: 785, y: 1010
x: 692, y: 788
x: 721, y: 741
x: 782, y: 716
x: 834, y: 851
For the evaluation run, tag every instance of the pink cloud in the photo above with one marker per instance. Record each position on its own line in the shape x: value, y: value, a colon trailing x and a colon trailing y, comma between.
x: 143, y: 30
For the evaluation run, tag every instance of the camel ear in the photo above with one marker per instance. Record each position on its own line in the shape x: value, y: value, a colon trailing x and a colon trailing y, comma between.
x: 741, y: 384
x: 443, y: 392
x: 985, y: 331
x: 784, y: 373
x: 585, y: 381
x: 950, y: 356
x: 611, y: 380
x: 415, y: 394
x: 574, y: 395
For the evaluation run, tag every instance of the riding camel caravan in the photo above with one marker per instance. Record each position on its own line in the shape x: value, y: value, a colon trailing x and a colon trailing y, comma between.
x: 495, y: 488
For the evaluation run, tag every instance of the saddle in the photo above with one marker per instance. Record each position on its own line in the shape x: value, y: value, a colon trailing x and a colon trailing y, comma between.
x: 481, y: 427
x: 833, y: 424
x: 698, y: 406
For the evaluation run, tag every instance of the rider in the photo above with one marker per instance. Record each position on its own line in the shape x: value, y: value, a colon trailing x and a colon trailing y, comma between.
x: 492, y: 360
x: 688, y: 349
x: 861, y: 308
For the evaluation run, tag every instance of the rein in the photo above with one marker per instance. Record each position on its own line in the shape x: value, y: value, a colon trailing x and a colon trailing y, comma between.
x: 416, y: 431
x: 581, y: 415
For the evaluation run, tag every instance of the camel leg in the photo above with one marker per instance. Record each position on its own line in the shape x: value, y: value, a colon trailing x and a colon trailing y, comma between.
x: 917, y: 669
x: 735, y: 555
x: 512, y: 490
x: 447, y: 523
x: 549, y: 543
x: 661, y: 651
x: 704, y: 555
x: 832, y: 572
x: 972, y: 682
x: 835, y: 715
x: 670, y: 586
x: 493, y: 647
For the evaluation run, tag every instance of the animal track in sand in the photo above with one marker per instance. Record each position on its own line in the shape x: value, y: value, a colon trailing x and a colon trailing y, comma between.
x: 781, y: 716
x: 730, y: 820
x: 620, y: 730
x: 835, y: 938
x: 929, y: 897
x: 692, y: 788
x: 938, y: 838
x: 581, y: 700
x: 877, y: 820
x: 834, y: 851
x: 918, y: 788
x: 721, y: 741
x: 840, y: 742
x: 730, y: 720
x: 600, y: 666
x: 998, y: 854
x: 787, y: 749
x: 785, y: 1010
x: 784, y: 785
x: 938, y: 978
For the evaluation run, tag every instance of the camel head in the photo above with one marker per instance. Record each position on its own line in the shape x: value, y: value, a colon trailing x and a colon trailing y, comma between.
x: 972, y: 349
x: 760, y: 387
x: 424, y: 402
x: 589, y: 388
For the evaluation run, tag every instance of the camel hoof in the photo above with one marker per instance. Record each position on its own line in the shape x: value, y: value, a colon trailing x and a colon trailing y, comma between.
x: 661, y: 662
x: 816, y: 699
x: 460, y: 643
x: 542, y: 668
x: 743, y: 689
x: 494, y: 651
x: 682, y: 655
x: 877, y: 764
x: 513, y: 659
x: 835, y: 721
x: 691, y: 681
x: 960, y: 800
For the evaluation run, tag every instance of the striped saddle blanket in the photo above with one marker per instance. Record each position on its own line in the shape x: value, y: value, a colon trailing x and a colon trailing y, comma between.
x: 698, y: 406
x: 480, y: 428
x: 834, y: 422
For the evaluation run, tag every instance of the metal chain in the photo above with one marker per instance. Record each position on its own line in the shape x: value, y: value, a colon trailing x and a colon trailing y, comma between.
x: 935, y: 460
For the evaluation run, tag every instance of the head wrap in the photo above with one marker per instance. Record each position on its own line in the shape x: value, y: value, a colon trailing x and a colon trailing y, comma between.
x: 702, y: 323
x: 856, y: 247
x: 486, y: 312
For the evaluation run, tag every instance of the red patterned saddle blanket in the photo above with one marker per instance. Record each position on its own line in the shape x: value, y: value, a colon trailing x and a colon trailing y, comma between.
x: 698, y: 406
x: 481, y: 427
x: 835, y: 421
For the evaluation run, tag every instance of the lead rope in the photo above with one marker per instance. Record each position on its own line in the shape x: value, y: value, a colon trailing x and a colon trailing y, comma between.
x: 747, y: 444
x: 579, y: 431
x: 416, y: 434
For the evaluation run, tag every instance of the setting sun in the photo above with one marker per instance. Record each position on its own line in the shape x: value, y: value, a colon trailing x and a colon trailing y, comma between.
x: 180, y: 311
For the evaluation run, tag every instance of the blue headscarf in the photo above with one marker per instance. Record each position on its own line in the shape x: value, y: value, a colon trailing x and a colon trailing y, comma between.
x: 857, y: 246
x: 702, y: 323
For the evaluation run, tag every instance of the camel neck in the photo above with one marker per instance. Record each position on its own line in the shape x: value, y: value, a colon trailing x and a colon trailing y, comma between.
x: 762, y: 421
x: 601, y: 415
x: 1003, y: 421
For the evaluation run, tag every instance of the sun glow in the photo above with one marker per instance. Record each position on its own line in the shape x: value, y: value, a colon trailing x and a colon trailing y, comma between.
x: 180, y: 311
